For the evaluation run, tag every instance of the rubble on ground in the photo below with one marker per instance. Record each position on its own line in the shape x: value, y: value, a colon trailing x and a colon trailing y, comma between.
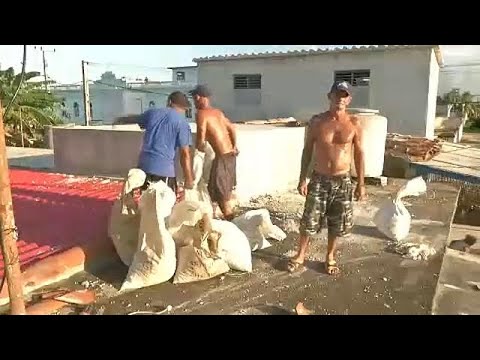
x: 415, y: 149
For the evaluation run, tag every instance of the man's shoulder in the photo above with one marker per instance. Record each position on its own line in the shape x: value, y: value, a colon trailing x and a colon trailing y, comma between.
x: 318, y: 118
x: 354, y: 120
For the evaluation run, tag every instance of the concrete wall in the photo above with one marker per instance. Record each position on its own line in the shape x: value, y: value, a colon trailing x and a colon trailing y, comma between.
x: 110, y: 103
x: 432, y: 95
x: 269, y: 157
x: 190, y: 74
x: 297, y: 86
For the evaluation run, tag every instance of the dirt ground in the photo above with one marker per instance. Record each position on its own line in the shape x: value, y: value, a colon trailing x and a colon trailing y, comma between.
x: 472, y: 139
x: 374, y: 279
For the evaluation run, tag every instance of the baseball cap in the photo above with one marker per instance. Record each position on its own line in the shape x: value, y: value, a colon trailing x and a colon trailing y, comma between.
x: 201, y: 90
x: 341, y: 86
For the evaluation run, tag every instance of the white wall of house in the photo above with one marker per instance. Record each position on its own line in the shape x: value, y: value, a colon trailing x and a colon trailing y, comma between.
x: 184, y: 74
x: 401, y: 83
x: 432, y: 95
x: 109, y: 103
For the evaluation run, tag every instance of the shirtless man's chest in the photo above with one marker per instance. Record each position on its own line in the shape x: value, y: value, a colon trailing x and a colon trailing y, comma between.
x: 333, y: 141
x: 217, y: 132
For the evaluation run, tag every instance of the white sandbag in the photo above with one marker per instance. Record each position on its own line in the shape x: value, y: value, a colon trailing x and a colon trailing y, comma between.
x: 233, y: 246
x: 125, y: 219
x: 154, y: 261
x: 123, y: 230
x: 393, y: 218
x: 186, y: 212
x: 195, y: 264
x: 201, y: 173
x: 257, y: 226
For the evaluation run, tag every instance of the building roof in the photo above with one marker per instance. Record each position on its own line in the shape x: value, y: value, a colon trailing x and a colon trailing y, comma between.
x: 345, y: 49
x: 182, y: 67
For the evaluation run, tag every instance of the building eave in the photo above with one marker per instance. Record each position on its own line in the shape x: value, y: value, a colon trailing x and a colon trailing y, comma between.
x: 299, y: 53
x: 182, y: 67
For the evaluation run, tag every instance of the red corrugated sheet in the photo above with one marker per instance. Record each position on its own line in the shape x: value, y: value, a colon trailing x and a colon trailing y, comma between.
x: 54, y: 212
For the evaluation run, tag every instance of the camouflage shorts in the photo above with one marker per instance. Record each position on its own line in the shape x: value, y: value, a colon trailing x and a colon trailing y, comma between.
x: 329, y: 199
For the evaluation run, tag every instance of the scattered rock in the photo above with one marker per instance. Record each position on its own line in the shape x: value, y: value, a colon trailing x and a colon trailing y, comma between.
x: 387, y: 306
x: 475, y: 285
x: 85, y: 284
x: 385, y: 279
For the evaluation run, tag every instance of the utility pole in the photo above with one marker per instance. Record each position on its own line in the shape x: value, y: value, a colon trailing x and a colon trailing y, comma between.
x: 86, y: 93
x: 8, y: 232
x: 45, y: 70
x: 45, y: 65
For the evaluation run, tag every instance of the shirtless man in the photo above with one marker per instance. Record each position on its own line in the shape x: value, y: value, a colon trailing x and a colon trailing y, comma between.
x: 213, y: 127
x: 329, y: 194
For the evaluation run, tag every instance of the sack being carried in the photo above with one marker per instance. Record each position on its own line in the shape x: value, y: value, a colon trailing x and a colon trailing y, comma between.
x: 154, y: 261
x: 393, y: 218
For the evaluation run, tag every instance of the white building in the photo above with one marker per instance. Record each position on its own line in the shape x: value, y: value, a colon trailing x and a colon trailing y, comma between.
x: 111, y: 97
x: 400, y: 81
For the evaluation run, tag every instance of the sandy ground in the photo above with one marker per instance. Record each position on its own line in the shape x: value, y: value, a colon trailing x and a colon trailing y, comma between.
x: 472, y: 139
x: 374, y: 279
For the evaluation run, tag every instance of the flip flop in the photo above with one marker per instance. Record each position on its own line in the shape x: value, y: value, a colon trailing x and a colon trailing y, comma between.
x: 293, y: 266
x: 331, y: 267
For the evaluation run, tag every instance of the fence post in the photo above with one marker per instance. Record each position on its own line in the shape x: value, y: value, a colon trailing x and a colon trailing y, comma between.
x: 8, y: 232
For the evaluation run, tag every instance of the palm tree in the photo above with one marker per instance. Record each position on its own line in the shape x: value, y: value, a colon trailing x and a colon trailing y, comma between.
x: 33, y: 109
x: 462, y: 103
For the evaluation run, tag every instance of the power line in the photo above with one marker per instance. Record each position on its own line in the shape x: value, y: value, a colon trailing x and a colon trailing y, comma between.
x: 129, y: 65
x: 134, y: 89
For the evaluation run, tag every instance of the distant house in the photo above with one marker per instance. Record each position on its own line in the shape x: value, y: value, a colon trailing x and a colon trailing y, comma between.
x: 111, y: 97
x: 400, y: 81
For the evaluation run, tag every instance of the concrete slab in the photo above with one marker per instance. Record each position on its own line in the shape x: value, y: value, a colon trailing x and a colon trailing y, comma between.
x: 461, y: 159
x: 374, y: 280
x: 31, y: 158
x: 455, y: 293
x: 458, y: 232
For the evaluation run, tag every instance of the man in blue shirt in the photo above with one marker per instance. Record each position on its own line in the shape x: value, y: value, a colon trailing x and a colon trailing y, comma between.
x: 166, y: 130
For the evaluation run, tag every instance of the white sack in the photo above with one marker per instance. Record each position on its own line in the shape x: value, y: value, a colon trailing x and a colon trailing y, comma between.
x: 257, y: 226
x: 195, y: 264
x: 154, y: 261
x: 393, y: 218
x: 123, y: 230
x: 233, y: 246
x: 125, y: 219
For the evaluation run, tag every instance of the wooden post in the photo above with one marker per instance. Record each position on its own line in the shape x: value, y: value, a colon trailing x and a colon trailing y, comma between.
x: 8, y: 232
x: 86, y: 93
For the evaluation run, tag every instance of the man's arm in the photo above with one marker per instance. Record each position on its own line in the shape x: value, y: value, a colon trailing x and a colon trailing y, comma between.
x: 201, y: 121
x: 232, y: 132
x: 186, y: 163
x: 359, y: 153
x: 184, y: 141
x: 307, y: 151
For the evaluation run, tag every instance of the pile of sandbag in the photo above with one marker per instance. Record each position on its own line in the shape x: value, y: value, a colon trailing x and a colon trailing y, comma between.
x: 160, y: 239
x: 414, y: 149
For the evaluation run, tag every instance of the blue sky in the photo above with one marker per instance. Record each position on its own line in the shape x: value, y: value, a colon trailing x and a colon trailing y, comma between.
x: 65, y: 64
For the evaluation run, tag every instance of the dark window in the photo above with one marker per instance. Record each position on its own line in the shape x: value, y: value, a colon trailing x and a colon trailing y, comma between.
x: 354, y: 77
x: 247, y: 81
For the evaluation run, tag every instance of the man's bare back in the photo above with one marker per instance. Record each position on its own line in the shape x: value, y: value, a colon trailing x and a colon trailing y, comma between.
x: 217, y: 130
x: 333, y: 140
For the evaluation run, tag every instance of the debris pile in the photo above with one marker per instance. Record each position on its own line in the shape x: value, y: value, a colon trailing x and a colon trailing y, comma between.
x: 415, y: 149
x: 290, y: 122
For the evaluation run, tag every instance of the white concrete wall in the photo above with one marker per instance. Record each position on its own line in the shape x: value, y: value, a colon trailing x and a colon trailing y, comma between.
x: 112, y: 151
x: 432, y: 95
x: 190, y: 74
x: 298, y: 86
